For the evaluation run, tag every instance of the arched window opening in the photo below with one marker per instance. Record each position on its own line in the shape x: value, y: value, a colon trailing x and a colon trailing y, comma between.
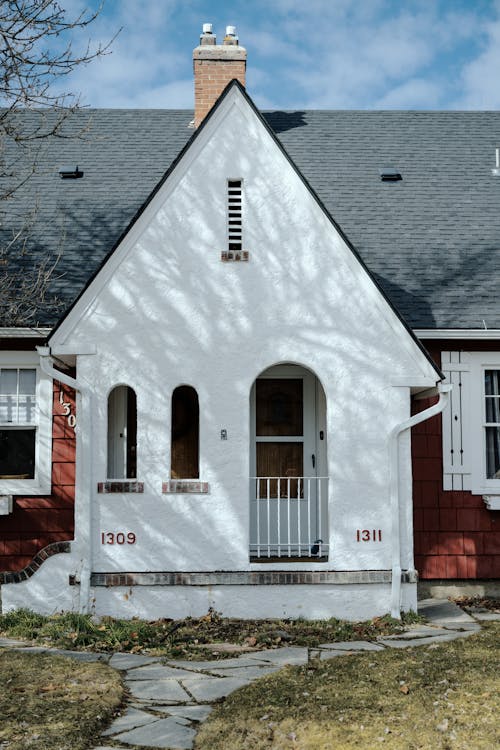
x: 122, y: 433
x: 185, y: 434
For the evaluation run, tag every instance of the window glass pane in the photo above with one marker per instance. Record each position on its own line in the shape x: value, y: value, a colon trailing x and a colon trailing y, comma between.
x: 26, y: 413
x: 279, y: 407
x: 185, y: 434
x: 27, y: 381
x: 493, y: 409
x: 17, y: 454
x: 8, y: 409
x: 493, y: 452
x: 492, y: 382
x: 8, y: 382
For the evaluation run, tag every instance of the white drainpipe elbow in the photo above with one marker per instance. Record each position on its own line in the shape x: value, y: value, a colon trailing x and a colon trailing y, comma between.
x: 437, y: 408
x: 47, y: 366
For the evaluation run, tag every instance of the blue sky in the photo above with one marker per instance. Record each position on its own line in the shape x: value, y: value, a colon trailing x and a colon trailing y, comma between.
x: 347, y: 54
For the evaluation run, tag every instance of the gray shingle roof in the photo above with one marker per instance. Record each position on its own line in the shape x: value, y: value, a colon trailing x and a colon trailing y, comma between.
x: 432, y: 240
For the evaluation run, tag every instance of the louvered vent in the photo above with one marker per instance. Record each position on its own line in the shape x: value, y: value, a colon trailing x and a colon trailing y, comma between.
x: 234, y: 217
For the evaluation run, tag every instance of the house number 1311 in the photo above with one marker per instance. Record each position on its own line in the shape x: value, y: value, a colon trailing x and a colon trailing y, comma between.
x: 369, y: 535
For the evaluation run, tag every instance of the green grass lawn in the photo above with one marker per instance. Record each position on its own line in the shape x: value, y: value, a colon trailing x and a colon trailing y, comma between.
x: 53, y: 702
x: 439, y: 697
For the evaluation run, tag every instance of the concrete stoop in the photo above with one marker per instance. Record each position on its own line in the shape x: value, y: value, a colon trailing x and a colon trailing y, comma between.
x: 169, y: 699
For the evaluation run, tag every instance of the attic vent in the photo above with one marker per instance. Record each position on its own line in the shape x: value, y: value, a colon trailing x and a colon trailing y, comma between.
x: 70, y: 172
x: 234, y: 223
x: 234, y: 226
x: 390, y: 174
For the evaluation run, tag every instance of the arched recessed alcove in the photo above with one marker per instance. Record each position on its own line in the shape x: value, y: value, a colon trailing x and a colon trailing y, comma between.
x: 184, y: 460
x: 289, y: 467
x: 122, y: 433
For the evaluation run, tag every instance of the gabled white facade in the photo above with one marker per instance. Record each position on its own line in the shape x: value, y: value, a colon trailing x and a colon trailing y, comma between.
x: 166, y: 311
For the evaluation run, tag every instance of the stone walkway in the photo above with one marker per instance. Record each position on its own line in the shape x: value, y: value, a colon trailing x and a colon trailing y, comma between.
x: 169, y: 699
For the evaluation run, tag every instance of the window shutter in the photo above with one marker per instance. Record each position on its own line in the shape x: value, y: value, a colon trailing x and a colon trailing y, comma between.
x: 456, y: 422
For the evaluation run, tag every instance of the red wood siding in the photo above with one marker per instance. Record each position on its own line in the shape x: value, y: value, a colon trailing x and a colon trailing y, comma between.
x: 37, y: 521
x: 456, y: 536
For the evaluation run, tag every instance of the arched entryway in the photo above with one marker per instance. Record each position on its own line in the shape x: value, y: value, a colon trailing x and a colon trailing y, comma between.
x: 289, y: 475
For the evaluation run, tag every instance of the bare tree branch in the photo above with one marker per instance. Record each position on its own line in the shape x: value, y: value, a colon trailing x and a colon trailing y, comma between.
x: 36, y: 52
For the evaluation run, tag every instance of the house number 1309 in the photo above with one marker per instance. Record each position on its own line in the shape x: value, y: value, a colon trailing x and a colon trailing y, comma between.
x: 369, y: 535
x: 110, y: 537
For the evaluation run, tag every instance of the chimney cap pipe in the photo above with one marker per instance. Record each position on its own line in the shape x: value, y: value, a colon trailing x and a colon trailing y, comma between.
x: 207, y: 28
x: 230, y: 30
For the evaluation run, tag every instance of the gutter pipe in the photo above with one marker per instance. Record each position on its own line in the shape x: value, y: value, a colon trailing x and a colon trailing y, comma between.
x: 437, y: 408
x: 47, y: 366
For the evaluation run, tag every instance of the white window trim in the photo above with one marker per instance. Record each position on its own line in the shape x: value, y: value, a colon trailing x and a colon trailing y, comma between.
x: 41, y: 484
x: 479, y: 362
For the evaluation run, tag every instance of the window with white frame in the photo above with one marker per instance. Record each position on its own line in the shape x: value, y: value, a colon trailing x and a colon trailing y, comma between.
x: 25, y: 425
x: 17, y: 422
x: 471, y: 424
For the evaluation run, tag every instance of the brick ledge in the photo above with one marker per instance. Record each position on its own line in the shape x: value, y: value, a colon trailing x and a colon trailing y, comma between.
x: 55, y: 548
x: 244, y: 578
x: 106, y: 488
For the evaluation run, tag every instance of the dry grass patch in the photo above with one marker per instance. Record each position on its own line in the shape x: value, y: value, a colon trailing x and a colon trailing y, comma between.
x: 53, y: 702
x: 187, y: 638
x: 440, y: 697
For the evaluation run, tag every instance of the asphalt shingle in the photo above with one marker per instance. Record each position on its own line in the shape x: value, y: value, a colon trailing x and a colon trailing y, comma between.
x: 431, y: 240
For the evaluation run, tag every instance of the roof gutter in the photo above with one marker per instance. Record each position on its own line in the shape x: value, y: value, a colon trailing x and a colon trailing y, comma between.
x: 457, y: 333
x: 24, y: 333
x: 84, y: 526
x: 437, y: 408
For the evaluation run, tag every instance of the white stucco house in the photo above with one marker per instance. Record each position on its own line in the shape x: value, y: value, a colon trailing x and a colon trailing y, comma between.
x: 243, y: 400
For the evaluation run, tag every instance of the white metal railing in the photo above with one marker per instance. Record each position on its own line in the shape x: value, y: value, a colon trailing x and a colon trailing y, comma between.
x: 289, y: 517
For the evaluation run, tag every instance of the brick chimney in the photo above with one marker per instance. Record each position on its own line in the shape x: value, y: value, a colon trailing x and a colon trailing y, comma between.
x: 214, y: 66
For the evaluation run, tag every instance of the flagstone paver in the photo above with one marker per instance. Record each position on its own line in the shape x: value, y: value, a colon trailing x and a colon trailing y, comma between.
x: 131, y: 719
x: 131, y: 661
x: 213, y: 689
x: 353, y: 646
x: 164, y: 733
x: 170, y: 698
x: 158, y: 672
x: 195, y: 713
x: 163, y: 691
x: 297, y: 655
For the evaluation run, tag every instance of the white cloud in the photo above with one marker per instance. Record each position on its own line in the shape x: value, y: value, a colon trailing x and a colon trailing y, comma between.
x: 416, y: 93
x: 480, y: 77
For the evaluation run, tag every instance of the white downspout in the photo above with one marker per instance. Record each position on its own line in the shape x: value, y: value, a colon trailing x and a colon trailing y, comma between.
x: 47, y: 365
x: 437, y: 408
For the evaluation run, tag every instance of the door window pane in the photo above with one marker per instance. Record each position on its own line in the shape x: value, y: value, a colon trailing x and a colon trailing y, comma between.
x: 279, y: 407
x: 285, y: 460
